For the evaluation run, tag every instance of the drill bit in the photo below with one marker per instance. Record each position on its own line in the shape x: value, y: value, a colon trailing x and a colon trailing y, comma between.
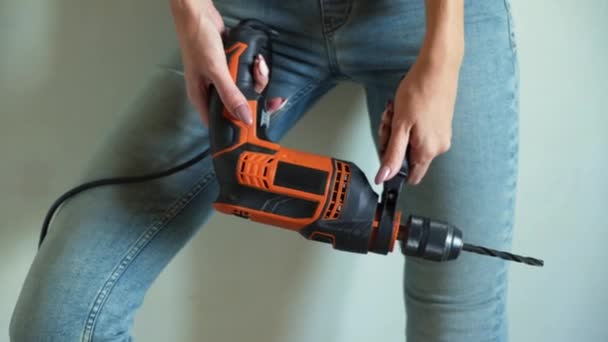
x: 503, y: 255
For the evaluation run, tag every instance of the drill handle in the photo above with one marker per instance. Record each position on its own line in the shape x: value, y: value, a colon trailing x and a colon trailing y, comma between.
x: 242, y: 45
x: 389, y: 217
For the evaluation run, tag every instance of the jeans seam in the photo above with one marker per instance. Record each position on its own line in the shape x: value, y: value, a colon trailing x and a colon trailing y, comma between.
x: 513, y: 160
x: 328, y: 38
x: 510, y: 26
x: 136, y: 248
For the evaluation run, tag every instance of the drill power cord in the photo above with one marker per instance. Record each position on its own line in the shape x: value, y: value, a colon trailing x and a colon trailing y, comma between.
x: 113, y: 181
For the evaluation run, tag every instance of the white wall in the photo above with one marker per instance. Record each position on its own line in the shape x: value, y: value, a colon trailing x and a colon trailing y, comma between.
x: 67, y: 68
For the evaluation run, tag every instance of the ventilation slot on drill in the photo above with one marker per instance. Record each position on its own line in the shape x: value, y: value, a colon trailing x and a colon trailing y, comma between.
x: 254, y: 169
x: 338, y: 195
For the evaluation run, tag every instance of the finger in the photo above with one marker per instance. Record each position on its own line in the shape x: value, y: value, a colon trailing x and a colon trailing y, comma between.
x: 417, y: 172
x: 260, y: 73
x: 231, y: 96
x: 392, y: 160
x: 421, y: 155
x: 275, y: 104
x: 204, y: 111
x: 217, y: 20
x: 385, y: 123
x: 384, y: 131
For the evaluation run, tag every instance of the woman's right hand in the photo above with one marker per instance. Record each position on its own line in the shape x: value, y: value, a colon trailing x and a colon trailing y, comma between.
x: 199, y: 28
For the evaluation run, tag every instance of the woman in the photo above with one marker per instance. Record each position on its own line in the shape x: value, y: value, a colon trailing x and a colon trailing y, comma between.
x: 107, y: 246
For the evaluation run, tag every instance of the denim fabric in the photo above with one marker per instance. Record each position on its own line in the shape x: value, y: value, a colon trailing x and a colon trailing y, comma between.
x: 107, y: 246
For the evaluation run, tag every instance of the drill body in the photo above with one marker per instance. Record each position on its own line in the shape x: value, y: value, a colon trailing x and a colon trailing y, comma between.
x: 323, y: 198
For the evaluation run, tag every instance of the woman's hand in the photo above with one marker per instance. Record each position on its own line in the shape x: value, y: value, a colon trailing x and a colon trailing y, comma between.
x: 420, y: 118
x: 199, y: 28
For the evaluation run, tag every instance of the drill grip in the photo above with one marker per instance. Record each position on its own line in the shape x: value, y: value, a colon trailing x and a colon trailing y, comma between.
x: 243, y: 44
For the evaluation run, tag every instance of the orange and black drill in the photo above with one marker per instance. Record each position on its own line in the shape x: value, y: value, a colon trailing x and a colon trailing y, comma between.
x: 324, y: 199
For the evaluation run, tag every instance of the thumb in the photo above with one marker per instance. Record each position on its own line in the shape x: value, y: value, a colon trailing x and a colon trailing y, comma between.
x: 392, y: 160
x: 231, y: 96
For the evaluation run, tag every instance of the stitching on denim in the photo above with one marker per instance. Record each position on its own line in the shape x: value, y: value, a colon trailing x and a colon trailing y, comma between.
x: 144, y: 239
x: 510, y: 26
x: 322, y: 7
x: 500, y: 302
x: 331, y: 55
x: 327, y: 37
x: 507, y: 231
x: 343, y: 20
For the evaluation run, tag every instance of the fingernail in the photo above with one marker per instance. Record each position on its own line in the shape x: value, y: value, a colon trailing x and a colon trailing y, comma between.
x: 243, y: 113
x: 263, y: 67
x: 410, y: 180
x: 382, y: 174
x: 275, y: 104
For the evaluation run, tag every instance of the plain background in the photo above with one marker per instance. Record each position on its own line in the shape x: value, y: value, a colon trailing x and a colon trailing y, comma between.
x: 68, y: 67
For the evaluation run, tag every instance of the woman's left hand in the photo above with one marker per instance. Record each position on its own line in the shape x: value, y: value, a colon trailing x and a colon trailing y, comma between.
x: 421, y: 117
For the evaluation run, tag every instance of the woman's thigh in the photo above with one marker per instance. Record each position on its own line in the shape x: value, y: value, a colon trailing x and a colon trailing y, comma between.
x: 472, y: 186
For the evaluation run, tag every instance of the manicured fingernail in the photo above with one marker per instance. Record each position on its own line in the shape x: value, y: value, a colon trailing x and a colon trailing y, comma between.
x: 414, y: 178
x: 382, y: 174
x: 275, y: 104
x: 244, y: 113
x: 263, y: 67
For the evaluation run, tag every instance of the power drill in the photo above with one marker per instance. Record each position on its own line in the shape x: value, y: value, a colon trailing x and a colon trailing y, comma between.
x: 323, y: 198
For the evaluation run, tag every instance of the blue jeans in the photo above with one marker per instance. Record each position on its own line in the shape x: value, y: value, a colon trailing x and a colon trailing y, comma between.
x: 107, y: 246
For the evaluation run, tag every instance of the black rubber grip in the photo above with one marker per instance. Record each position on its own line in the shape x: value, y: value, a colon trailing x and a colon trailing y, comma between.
x: 256, y: 36
x: 244, y: 42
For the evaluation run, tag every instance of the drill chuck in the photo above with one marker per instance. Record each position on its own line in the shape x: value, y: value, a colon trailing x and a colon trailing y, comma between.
x: 439, y: 241
x: 429, y: 239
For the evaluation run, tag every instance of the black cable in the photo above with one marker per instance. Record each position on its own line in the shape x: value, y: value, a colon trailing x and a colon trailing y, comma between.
x: 113, y: 181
